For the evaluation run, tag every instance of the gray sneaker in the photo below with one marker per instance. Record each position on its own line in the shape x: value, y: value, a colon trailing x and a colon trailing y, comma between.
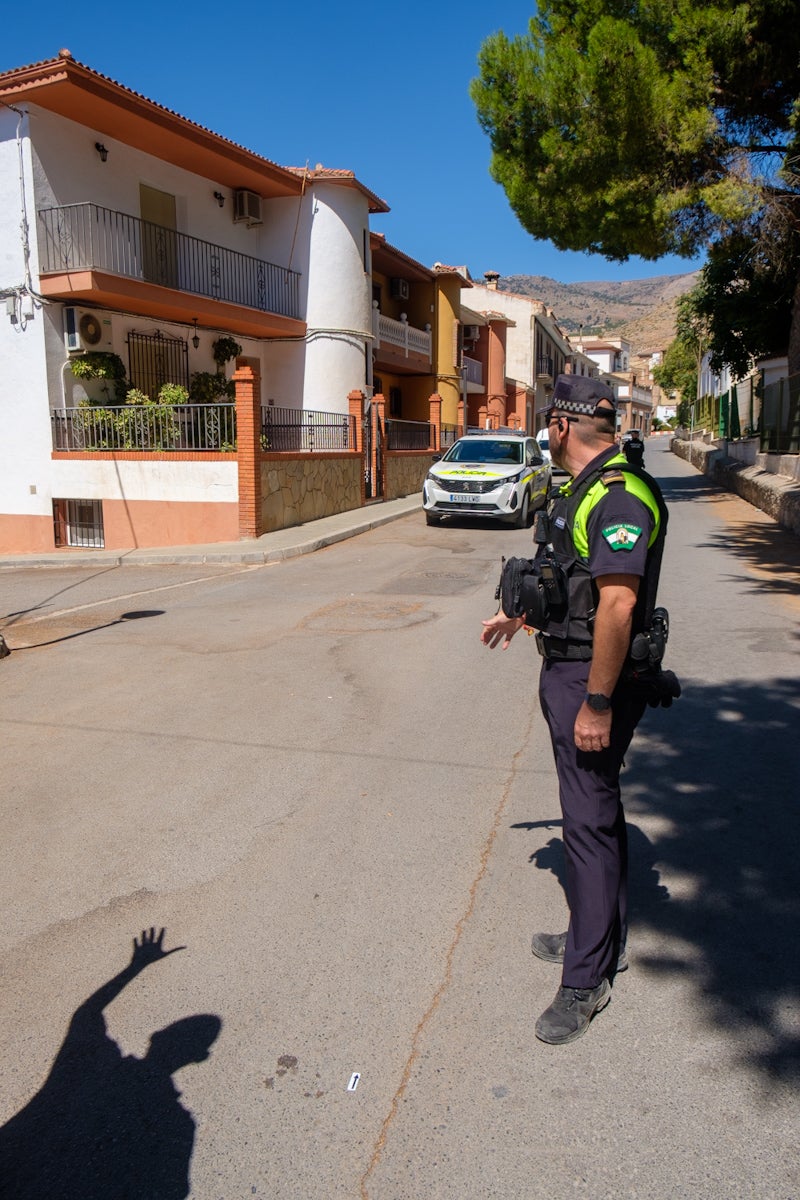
x: 551, y: 946
x: 569, y: 1015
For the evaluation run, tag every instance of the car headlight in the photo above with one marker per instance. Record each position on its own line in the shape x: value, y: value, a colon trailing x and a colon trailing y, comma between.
x: 431, y: 478
x: 514, y: 478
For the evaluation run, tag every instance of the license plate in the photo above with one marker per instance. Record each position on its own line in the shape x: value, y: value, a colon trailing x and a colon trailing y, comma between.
x: 464, y: 498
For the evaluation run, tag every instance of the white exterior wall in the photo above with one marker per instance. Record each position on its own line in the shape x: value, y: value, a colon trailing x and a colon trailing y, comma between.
x: 714, y: 383
x: 519, y: 336
x: 138, y: 479
x: 603, y: 358
x: 774, y: 369
x: 61, y: 144
x: 70, y: 171
x: 321, y: 235
x: 26, y: 446
x: 339, y: 297
x: 63, y: 167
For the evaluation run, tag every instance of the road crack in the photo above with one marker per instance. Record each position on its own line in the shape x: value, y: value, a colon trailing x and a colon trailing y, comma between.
x: 461, y: 925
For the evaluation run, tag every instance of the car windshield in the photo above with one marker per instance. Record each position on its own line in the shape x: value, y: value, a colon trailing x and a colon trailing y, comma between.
x: 544, y: 443
x: 488, y: 451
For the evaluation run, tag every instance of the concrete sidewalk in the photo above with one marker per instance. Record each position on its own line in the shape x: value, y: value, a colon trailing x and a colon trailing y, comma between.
x: 270, y: 547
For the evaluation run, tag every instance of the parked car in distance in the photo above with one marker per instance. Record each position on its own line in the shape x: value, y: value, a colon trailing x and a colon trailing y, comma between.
x: 492, y: 474
x: 544, y: 445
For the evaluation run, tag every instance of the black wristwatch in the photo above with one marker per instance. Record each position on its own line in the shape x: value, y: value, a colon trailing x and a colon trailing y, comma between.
x: 597, y: 701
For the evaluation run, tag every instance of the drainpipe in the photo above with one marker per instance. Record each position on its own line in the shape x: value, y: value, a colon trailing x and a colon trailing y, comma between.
x: 18, y: 315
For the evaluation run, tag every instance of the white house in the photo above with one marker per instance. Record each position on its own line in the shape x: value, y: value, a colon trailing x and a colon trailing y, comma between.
x: 125, y: 228
x: 537, y: 349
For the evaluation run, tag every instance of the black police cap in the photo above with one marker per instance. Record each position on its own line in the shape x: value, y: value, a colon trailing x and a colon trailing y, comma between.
x: 580, y: 395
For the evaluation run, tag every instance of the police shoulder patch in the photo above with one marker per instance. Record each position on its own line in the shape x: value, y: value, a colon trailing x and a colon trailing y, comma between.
x: 621, y: 536
x: 612, y: 475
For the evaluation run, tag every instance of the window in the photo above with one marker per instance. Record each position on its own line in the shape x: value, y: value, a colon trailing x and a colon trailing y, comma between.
x: 78, y: 523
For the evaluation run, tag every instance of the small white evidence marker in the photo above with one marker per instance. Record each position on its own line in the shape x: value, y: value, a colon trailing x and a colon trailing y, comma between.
x: 353, y: 1084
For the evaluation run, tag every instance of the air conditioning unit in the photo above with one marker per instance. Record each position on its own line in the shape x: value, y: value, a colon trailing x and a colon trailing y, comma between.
x: 247, y: 206
x: 400, y: 289
x: 84, y: 330
x: 472, y: 333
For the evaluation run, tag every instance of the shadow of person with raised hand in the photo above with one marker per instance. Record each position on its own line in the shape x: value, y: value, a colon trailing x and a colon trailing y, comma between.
x: 106, y: 1126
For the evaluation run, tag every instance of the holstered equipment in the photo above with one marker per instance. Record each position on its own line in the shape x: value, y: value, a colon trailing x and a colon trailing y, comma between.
x: 554, y: 594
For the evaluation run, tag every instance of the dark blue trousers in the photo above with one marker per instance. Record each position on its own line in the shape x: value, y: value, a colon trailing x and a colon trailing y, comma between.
x: 595, y: 838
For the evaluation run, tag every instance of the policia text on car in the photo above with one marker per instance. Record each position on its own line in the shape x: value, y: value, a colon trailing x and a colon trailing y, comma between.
x: 590, y: 596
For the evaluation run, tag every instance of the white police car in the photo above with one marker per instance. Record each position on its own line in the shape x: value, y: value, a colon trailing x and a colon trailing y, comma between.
x: 492, y: 474
x: 544, y: 445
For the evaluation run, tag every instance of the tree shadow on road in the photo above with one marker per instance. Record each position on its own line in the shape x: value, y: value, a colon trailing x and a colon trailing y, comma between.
x: 104, y: 1126
x: 719, y: 777
x: 722, y: 771
x: 771, y: 551
x: 687, y: 488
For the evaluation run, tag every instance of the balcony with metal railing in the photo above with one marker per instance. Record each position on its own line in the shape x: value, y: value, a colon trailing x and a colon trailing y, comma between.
x: 87, y: 238
x: 472, y: 371
x: 545, y: 367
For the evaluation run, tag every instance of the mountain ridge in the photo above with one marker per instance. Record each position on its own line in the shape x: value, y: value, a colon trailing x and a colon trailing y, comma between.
x: 643, y: 311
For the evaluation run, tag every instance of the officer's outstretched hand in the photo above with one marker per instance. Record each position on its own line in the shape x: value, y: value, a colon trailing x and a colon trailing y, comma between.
x: 500, y: 628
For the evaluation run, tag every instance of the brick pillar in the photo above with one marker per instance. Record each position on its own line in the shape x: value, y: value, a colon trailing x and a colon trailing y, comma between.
x: 462, y: 417
x: 435, y: 403
x: 247, y: 380
x: 355, y: 403
x: 483, y: 416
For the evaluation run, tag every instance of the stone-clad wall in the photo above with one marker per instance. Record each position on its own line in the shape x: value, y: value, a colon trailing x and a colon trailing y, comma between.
x: 406, y: 471
x: 777, y: 495
x: 295, y: 490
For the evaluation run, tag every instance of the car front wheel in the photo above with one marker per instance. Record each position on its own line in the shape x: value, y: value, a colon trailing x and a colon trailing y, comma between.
x: 522, y: 516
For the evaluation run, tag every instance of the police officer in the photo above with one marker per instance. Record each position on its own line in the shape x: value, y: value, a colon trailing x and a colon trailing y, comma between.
x: 633, y: 449
x: 606, y: 530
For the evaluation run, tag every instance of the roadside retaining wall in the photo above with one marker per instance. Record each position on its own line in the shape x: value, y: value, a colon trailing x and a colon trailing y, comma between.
x: 406, y: 471
x: 751, y: 475
x: 307, y: 487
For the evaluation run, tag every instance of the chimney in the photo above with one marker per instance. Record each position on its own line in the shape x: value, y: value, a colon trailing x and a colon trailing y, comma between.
x: 491, y: 278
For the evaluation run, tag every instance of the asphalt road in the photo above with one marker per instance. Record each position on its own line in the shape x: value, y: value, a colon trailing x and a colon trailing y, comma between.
x: 344, y: 808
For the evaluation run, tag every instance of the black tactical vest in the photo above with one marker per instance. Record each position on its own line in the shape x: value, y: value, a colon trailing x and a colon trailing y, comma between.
x: 569, y: 631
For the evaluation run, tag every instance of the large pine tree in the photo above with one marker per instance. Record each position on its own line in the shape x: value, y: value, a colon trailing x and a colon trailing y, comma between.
x: 657, y: 127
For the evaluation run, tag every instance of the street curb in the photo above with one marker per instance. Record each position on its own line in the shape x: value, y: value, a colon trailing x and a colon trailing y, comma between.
x: 273, y: 547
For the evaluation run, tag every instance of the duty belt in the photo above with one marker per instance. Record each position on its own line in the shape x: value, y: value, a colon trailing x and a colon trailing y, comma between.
x: 560, y: 649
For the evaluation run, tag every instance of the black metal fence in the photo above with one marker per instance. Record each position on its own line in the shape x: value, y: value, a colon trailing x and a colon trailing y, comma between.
x: 82, y: 236
x: 450, y: 434
x: 306, y: 429
x: 409, y: 435
x: 156, y: 427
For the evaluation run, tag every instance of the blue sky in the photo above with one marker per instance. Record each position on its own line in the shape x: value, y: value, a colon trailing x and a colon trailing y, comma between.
x: 379, y: 89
